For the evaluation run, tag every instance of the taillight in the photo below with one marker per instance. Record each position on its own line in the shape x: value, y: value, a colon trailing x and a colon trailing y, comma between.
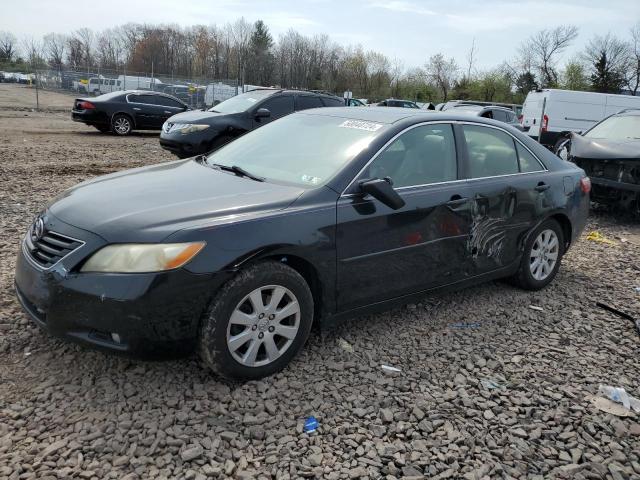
x: 585, y: 184
x: 545, y: 122
x: 86, y: 105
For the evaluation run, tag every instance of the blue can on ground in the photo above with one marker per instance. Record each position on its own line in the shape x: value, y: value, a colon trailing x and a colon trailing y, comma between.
x: 310, y: 424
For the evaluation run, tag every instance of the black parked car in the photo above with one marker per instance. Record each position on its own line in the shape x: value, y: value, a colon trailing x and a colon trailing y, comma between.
x: 502, y: 114
x: 199, y: 132
x: 392, y: 102
x: 318, y: 216
x: 122, y: 112
x: 610, y: 154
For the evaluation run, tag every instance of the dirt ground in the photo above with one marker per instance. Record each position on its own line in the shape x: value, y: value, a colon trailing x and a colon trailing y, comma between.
x: 509, y: 396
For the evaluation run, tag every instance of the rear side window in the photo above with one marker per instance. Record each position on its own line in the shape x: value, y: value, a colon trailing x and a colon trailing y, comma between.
x: 500, y: 115
x: 146, y: 99
x: 420, y: 156
x: 304, y: 102
x: 279, y: 106
x: 491, y: 152
x: 168, y: 102
x: 332, y: 102
x: 528, y: 163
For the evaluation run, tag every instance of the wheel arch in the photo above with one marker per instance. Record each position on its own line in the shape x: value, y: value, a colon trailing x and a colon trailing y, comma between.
x: 121, y: 112
x: 300, y: 264
x: 567, y: 227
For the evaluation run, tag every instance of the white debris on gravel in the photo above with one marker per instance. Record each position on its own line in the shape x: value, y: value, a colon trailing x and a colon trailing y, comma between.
x: 510, y: 399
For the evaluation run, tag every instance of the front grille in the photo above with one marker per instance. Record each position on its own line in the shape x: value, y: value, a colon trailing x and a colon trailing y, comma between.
x: 51, y: 248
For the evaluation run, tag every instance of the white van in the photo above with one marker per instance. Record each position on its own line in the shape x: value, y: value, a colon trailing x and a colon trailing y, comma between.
x: 569, y: 111
x: 100, y: 85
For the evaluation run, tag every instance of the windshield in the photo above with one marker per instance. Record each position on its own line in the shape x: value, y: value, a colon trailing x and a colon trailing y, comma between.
x: 242, y: 102
x: 302, y: 149
x: 617, y: 128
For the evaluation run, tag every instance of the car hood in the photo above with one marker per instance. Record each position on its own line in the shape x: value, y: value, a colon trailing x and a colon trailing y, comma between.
x: 199, y: 116
x: 599, y: 148
x: 147, y: 204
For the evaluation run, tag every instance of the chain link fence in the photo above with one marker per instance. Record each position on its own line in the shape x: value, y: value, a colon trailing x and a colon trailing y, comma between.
x: 195, y: 92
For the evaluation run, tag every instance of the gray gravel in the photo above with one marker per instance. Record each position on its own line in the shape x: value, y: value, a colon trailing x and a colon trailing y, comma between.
x: 506, y: 399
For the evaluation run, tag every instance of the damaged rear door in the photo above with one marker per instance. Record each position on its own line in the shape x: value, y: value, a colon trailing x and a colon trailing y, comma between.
x: 509, y: 193
x: 384, y: 253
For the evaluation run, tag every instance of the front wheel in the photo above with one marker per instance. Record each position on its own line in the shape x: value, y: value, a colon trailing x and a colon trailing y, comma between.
x: 257, y: 322
x: 541, y: 257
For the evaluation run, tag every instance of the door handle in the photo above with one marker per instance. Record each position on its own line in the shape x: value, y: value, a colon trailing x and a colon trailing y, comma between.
x: 167, y: 112
x: 541, y: 187
x: 456, y: 200
x: 136, y: 108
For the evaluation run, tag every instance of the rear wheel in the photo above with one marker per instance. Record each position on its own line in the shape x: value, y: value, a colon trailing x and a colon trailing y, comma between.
x: 257, y: 322
x: 541, y: 257
x: 121, y: 124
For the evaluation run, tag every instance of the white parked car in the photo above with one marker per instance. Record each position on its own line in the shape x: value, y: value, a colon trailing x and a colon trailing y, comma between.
x: 567, y: 111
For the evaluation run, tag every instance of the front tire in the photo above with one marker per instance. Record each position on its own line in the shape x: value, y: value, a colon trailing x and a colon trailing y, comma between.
x: 121, y: 124
x: 257, y: 322
x: 541, y: 258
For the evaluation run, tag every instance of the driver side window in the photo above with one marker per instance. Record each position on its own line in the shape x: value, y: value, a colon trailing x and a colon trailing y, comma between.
x: 420, y: 156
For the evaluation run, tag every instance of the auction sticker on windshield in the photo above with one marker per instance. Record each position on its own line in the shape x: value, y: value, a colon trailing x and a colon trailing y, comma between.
x: 361, y: 125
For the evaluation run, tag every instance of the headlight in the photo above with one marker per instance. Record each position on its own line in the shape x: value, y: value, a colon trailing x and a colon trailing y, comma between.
x: 139, y: 257
x: 186, y: 128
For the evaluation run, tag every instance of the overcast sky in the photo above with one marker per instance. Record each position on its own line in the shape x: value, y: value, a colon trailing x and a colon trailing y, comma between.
x: 410, y: 30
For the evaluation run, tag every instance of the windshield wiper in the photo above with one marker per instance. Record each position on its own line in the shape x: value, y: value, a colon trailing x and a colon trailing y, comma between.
x: 238, y: 171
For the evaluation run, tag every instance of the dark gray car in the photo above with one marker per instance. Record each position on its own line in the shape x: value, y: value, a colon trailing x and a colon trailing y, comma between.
x: 501, y: 114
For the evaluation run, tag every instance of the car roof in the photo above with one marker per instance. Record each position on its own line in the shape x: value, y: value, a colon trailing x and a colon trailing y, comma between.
x: 390, y: 115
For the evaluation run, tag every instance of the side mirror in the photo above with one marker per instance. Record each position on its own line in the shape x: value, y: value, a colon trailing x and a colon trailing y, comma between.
x: 383, y: 191
x: 262, y: 113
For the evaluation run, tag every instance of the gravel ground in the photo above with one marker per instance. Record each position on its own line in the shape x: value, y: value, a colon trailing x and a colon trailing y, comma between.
x: 507, y: 397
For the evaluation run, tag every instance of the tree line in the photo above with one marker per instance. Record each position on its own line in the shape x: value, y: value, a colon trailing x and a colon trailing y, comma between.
x: 248, y: 54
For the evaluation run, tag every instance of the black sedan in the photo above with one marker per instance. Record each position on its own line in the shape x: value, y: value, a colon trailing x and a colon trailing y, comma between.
x: 123, y: 112
x: 610, y: 153
x: 200, y: 132
x: 321, y: 215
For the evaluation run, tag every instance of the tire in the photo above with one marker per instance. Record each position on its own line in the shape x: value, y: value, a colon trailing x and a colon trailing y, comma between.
x: 121, y: 124
x: 562, y: 148
x: 233, y: 329
x: 534, y: 277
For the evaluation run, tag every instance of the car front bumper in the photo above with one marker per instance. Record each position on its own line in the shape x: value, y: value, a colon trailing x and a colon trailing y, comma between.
x: 187, y: 145
x: 144, y: 315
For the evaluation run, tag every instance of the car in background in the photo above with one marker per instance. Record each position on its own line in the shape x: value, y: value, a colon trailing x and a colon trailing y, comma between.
x: 197, y: 132
x: 319, y: 216
x: 354, y: 102
x: 392, y: 102
x: 501, y: 114
x: 124, y: 111
x: 552, y: 114
x: 609, y: 152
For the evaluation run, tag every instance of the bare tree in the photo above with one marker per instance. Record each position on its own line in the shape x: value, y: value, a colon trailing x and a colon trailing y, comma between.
x: 33, y: 51
x: 442, y: 73
x: 54, y: 46
x: 632, y: 76
x: 241, y: 32
x: 544, y: 48
x: 7, y: 46
x: 607, y: 58
x: 471, y: 58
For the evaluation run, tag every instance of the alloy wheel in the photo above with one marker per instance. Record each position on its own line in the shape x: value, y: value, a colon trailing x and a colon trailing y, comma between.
x: 544, y: 254
x: 263, y: 325
x: 122, y: 125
